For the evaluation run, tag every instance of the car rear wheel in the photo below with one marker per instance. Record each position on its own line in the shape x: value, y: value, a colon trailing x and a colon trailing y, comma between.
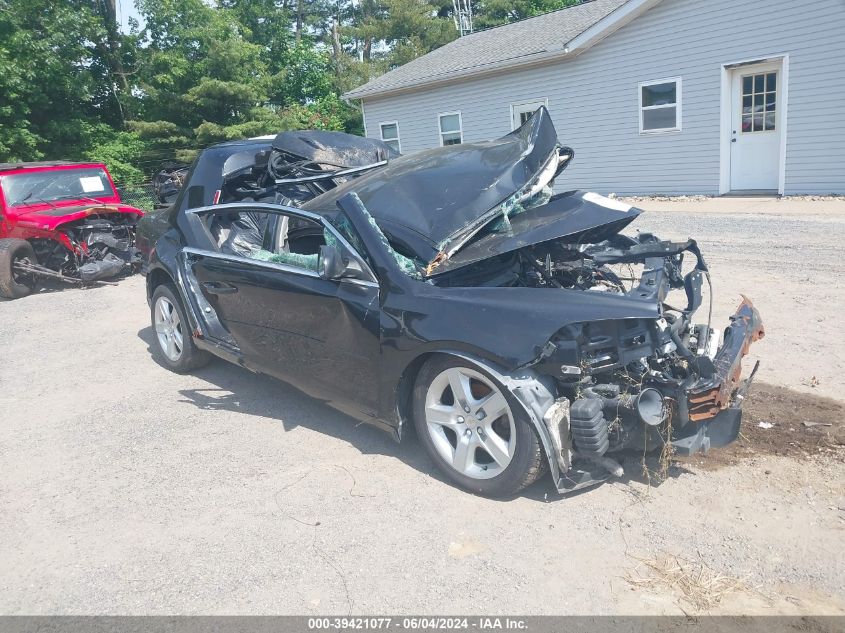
x: 173, y: 340
x: 15, y: 284
x: 474, y: 429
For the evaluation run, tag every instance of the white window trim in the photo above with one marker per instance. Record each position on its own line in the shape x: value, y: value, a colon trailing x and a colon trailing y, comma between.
x: 544, y: 101
x: 398, y: 136
x: 460, y: 130
x: 678, y: 110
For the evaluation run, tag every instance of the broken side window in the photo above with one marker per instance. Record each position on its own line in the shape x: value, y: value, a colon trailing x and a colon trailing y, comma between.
x: 270, y: 237
x: 298, y: 260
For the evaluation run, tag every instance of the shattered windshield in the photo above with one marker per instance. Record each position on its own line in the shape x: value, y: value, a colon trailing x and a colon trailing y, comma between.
x: 57, y: 184
x: 514, y: 206
x: 535, y: 192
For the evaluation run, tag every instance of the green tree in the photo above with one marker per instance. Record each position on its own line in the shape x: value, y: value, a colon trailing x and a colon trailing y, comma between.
x: 369, y: 37
x: 268, y: 24
x: 121, y: 150
x: 489, y: 13
x: 200, y: 71
x: 195, y: 64
x: 51, y: 78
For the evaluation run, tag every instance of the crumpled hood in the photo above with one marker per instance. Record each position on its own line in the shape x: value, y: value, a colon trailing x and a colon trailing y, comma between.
x: 574, y: 217
x: 52, y: 218
x: 431, y: 200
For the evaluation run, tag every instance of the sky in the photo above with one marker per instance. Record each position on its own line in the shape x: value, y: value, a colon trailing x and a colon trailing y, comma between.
x: 125, y: 10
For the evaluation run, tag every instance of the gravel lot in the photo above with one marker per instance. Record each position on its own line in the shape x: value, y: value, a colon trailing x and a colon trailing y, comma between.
x: 128, y: 489
x: 791, y: 267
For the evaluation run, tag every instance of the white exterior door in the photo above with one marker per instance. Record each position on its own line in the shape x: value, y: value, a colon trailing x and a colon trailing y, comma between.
x: 755, y: 127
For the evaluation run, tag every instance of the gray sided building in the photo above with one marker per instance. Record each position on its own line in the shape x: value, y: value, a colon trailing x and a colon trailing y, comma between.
x: 655, y: 96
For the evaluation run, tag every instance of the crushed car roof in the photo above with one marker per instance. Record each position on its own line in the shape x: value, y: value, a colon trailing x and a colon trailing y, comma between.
x: 332, y: 148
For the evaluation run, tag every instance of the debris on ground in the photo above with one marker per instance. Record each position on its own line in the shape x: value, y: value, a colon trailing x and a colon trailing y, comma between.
x: 699, y: 586
x: 832, y: 196
x: 703, y: 198
x: 656, y: 198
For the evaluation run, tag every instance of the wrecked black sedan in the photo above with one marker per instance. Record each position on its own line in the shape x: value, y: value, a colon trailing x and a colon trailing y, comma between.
x: 518, y: 330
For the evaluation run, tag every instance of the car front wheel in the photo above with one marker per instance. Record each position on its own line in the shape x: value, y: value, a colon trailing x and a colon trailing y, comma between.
x: 474, y: 429
x: 14, y: 283
x: 173, y: 334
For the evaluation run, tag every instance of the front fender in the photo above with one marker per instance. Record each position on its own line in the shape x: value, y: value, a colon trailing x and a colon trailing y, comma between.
x: 510, y: 324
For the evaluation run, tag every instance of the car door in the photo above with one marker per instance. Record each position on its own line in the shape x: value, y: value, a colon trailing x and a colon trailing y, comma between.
x: 321, y: 335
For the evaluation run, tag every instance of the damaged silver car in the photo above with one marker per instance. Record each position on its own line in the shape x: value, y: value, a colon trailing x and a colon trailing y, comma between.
x: 517, y: 329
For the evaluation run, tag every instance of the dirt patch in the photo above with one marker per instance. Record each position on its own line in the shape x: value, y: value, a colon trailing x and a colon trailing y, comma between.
x: 780, y: 421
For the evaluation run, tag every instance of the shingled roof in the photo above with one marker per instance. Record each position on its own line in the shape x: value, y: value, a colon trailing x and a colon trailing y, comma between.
x: 509, y: 45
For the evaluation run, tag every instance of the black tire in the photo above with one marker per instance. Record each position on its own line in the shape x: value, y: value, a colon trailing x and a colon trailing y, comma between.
x: 528, y: 462
x: 14, y: 286
x: 190, y: 357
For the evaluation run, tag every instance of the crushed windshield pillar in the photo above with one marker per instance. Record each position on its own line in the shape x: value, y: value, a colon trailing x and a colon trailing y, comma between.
x: 407, y: 265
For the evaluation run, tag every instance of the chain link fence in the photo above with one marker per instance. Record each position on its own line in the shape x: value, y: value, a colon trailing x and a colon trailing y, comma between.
x: 140, y: 195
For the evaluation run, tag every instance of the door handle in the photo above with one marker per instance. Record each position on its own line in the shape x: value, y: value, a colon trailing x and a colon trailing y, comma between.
x: 219, y: 288
x: 733, y: 140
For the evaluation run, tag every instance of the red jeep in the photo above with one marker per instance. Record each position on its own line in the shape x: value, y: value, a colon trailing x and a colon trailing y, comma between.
x: 64, y: 221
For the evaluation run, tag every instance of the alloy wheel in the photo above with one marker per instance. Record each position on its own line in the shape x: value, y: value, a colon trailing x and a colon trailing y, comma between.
x: 168, y: 328
x: 470, y: 423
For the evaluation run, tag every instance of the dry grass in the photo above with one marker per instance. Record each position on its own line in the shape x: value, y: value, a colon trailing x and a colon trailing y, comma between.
x: 666, y: 452
x: 699, y: 586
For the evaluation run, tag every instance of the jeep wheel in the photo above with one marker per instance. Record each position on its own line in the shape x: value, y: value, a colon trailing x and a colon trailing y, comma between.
x: 173, y: 340
x: 474, y: 429
x: 15, y: 284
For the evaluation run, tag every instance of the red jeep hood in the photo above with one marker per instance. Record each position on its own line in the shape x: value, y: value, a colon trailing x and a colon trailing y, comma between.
x: 53, y: 218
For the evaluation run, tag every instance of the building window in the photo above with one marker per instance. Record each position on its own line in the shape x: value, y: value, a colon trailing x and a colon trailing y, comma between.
x: 759, y: 102
x: 660, y: 106
x: 451, y: 128
x: 521, y: 112
x: 390, y: 134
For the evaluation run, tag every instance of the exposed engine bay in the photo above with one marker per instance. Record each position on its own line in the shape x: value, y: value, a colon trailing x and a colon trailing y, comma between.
x: 633, y: 382
x: 97, y: 247
x: 666, y: 380
x: 639, y: 382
